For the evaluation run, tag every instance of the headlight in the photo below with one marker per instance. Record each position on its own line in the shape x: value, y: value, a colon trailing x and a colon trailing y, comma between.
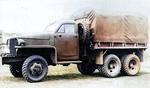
x: 15, y: 41
x: 21, y: 42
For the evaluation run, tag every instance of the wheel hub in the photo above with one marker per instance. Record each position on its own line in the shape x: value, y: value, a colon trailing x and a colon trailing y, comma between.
x: 112, y: 66
x: 36, y: 69
x: 132, y: 64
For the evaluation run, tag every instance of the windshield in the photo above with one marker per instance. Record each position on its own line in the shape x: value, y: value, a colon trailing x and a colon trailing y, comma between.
x: 52, y: 27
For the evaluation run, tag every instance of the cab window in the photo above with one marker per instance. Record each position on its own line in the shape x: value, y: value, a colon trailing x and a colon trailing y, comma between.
x: 69, y: 28
x: 66, y: 28
x: 61, y: 29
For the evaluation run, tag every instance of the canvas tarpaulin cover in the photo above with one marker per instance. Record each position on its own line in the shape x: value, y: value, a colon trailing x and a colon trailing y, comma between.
x: 111, y: 26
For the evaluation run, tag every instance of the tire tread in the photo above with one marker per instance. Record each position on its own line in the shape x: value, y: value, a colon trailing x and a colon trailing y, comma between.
x: 28, y: 60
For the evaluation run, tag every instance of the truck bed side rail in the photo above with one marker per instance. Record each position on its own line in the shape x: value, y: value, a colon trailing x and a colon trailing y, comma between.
x: 114, y: 45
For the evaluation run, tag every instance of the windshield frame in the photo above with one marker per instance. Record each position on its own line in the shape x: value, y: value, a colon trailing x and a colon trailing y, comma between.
x: 53, y: 27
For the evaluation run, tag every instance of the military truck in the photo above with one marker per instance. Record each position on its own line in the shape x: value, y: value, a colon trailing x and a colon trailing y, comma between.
x: 112, y: 42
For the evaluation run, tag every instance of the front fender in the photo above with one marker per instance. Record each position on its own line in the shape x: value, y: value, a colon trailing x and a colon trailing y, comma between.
x: 53, y: 53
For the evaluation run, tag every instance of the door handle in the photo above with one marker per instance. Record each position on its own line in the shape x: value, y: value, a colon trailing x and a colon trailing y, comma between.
x: 60, y: 35
x: 75, y: 36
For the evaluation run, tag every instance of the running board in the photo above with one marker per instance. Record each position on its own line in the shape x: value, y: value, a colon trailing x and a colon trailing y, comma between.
x: 68, y: 62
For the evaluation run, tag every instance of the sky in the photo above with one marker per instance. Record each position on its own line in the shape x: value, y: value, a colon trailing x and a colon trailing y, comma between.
x: 19, y: 16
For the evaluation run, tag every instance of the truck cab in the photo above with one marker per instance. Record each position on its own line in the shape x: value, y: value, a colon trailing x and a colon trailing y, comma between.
x: 59, y: 44
x: 61, y: 36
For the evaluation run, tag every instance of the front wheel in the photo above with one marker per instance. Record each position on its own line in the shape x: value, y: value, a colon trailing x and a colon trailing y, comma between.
x: 16, y: 70
x: 34, y: 68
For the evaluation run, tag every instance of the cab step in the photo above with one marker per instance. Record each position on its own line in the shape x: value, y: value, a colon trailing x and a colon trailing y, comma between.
x: 69, y: 62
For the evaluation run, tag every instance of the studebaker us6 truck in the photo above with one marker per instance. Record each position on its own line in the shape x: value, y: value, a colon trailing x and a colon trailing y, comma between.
x: 112, y: 42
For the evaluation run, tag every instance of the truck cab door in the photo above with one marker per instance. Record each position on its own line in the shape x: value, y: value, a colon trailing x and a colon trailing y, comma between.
x: 66, y: 42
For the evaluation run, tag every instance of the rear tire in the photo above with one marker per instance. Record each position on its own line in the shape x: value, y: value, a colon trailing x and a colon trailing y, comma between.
x: 34, y: 68
x: 16, y: 70
x: 111, y: 67
x: 122, y: 62
x: 100, y: 70
x: 131, y: 65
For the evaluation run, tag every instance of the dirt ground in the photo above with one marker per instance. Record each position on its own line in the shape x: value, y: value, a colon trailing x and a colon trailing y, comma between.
x: 142, y: 80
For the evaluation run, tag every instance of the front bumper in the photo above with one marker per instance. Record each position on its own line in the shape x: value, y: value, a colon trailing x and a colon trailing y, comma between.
x: 7, y: 55
x: 12, y: 60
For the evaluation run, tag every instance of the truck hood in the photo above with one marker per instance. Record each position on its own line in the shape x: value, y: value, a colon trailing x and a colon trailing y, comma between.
x: 45, y: 36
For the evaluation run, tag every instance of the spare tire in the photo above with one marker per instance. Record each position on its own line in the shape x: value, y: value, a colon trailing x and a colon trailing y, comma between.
x: 84, y: 33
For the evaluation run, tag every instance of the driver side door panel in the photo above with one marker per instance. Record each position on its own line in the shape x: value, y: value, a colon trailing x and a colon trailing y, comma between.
x: 66, y: 42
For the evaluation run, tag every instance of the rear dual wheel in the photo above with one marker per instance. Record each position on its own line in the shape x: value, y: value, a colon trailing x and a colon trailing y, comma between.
x: 130, y: 64
x: 111, y: 67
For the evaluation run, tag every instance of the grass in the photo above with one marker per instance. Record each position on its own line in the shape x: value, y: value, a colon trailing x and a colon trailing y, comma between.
x: 64, y: 72
x: 58, y: 72
x: 66, y: 76
x: 11, y: 79
x: 141, y: 73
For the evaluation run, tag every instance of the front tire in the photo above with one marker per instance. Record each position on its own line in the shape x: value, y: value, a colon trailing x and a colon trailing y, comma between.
x: 34, y: 68
x: 16, y: 70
